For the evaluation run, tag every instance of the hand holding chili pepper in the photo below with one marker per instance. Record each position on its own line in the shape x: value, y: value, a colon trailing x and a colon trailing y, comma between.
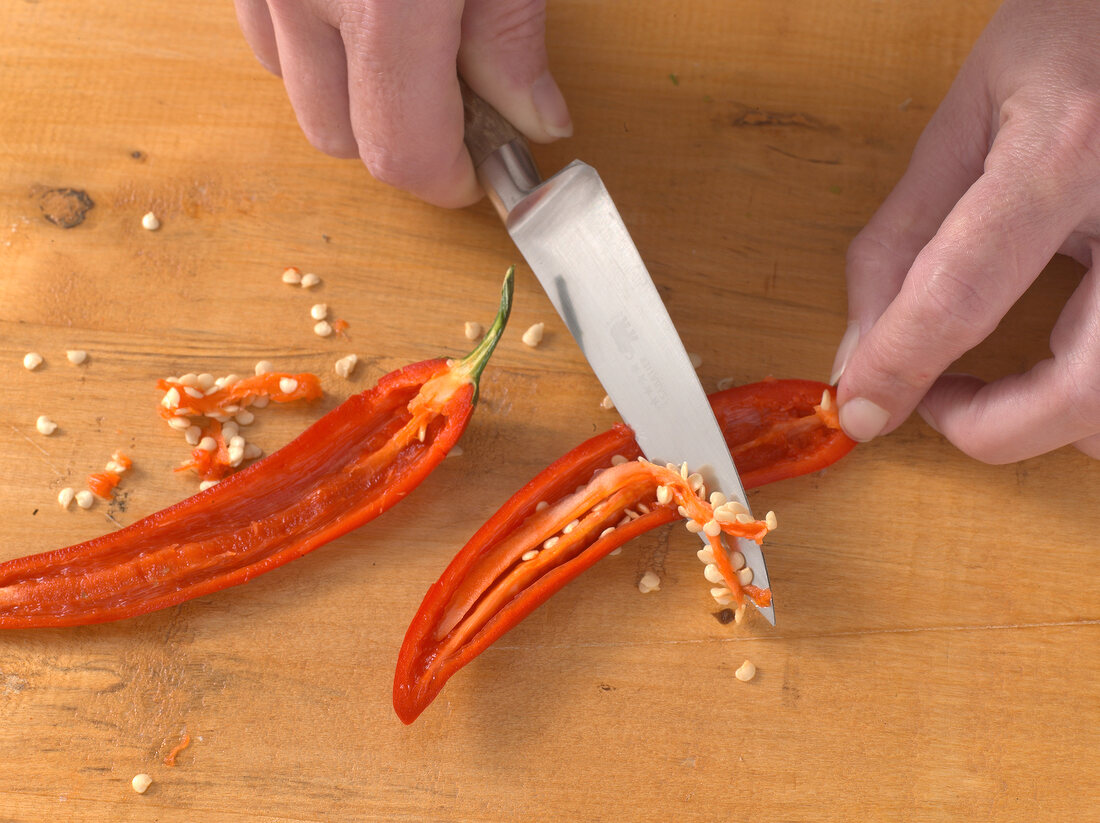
x: 1006, y: 174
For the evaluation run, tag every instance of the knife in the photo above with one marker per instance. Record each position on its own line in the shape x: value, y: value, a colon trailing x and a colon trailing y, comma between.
x: 568, y: 230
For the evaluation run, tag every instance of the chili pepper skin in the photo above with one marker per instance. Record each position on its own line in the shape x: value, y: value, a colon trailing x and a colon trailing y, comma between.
x: 775, y: 429
x: 344, y: 470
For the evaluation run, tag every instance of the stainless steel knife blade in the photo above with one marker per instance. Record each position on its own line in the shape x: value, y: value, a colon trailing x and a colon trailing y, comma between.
x: 571, y: 234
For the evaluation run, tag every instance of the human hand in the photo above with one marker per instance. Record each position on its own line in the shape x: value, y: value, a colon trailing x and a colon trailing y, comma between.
x: 1006, y: 174
x: 378, y: 79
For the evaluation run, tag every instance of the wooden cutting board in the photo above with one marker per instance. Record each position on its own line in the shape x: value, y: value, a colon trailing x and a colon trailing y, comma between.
x: 936, y: 656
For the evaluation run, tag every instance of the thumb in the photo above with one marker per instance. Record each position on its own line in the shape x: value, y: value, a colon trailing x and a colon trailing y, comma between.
x: 503, y: 58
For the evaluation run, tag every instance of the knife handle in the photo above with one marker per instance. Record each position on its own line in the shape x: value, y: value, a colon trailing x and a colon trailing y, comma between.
x: 502, y: 159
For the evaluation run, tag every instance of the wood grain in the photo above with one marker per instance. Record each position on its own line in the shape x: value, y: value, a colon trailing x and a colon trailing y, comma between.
x: 936, y: 656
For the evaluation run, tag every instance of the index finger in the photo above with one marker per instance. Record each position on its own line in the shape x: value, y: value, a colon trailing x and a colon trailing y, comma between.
x: 988, y: 250
x: 406, y: 106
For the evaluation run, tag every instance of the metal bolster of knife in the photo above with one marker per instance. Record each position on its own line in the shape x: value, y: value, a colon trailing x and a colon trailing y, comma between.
x: 508, y: 175
x: 505, y: 167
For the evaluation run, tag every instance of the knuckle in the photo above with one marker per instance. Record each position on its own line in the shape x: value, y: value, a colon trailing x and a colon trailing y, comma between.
x: 954, y: 307
x: 1083, y: 378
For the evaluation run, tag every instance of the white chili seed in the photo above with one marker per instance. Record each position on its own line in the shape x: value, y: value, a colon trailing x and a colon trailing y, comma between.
x: 322, y: 329
x: 694, y: 526
x: 711, y: 528
x: 744, y: 576
x: 550, y: 542
x: 680, y: 510
x: 745, y: 672
x: 235, y: 442
x: 533, y: 336
x: 722, y: 595
x: 713, y: 574
x: 141, y: 782
x: 190, y: 379
x: 76, y: 356
x: 744, y: 518
x: 717, y: 499
x: 606, y: 532
x: 618, y: 460
x: 149, y: 221
x: 261, y: 401
x: 737, y: 561
x: 739, y: 614
x: 292, y: 275
x: 179, y: 423
x: 263, y: 367
x: 252, y: 451
x: 456, y: 451
x: 288, y: 385
x: 771, y: 522
x: 45, y: 425
x: 318, y: 311
x: 85, y: 499
x: 530, y: 555
x: 32, y: 360
x: 245, y: 417
x: 191, y: 391
x: 615, y: 551
x: 650, y: 582
x: 206, y: 484
x: 192, y: 435
x: 725, y: 383
x: 65, y: 496
x: 346, y: 365
x: 473, y: 330
x: 310, y: 280
x: 208, y: 444
x: 542, y: 504
x: 705, y: 555
x: 607, y: 403
x: 570, y: 526
x: 664, y: 495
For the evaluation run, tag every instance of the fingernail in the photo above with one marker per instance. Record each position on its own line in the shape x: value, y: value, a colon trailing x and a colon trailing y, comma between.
x: 844, y: 351
x: 550, y: 107
x: 927, y: 417
x: 863, y: 420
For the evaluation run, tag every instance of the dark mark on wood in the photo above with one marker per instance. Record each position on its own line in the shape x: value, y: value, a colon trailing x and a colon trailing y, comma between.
x: 778, y: 150
x: 724, y: 616
x: 138, y: 155
x: 604, y: 687
x: 34, y: 512
x: 743, y: 115
x: 65, y: 207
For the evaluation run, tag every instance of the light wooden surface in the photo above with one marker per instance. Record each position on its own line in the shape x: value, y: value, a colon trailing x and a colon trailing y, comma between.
x: 936, y: 656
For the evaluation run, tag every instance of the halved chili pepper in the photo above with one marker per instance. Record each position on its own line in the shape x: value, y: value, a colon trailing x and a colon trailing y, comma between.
x: 590, y: 502
x: 344, y: 470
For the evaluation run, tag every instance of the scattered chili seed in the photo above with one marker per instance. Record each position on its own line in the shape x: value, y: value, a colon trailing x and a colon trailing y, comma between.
x: 45, y: 425
x: 206, y: 484
x: 292, y: 275
x: 318, y: 311
x: 346, y: 365
x: 310, y: 280
x: 245, y: 417
x: 76, y: 356
x: 263, y: 367
x: 607, y: 403
x: 533, y: 336
x: 474, y: 330
x: 32, y: 360
x: 771, y: 521
x: 192, y: 435
x: 322, y: 329
x: 746, y: 671
x: 141, y: 782
x: 650, y: 582
x: 65, y: 496
x: 287, y: 385
x: 149, y: 221
x: 85, y: 499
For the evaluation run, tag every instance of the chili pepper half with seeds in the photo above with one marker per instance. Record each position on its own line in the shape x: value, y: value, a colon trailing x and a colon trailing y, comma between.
x: 347, y: 468
x: 593, y: 500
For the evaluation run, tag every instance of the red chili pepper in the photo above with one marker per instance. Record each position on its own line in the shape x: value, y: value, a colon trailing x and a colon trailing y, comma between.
x: 600, y: 496
x: 344, y: 470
